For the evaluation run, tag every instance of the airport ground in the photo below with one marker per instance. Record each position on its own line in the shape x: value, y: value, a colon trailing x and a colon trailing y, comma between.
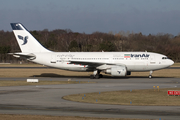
x: 46, y: 117
x: 35, y: 70
x: 47, y: 99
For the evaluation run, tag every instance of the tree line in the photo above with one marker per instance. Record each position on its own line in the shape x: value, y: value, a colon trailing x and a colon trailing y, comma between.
x: 67, y: 40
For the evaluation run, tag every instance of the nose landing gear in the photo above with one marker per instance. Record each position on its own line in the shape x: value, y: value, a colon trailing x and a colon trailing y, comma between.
x: 150, y: 74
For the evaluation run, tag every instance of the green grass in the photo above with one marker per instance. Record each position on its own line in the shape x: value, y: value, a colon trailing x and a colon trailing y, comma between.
x: 137, y: 97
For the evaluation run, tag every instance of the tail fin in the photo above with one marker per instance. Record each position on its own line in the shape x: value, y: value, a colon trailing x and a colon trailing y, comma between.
x: 27, y: 43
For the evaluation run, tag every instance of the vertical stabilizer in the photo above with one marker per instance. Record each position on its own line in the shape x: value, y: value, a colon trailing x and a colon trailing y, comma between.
x: 26, y: 41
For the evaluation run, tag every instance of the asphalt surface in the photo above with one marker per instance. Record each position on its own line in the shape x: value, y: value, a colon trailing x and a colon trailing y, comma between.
x: 47, y: 99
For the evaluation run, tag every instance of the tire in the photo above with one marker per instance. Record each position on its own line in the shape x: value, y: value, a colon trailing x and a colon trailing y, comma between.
x: 91, y: 76
x: 150, y: 76
x: 100, y: 76
x: 96, y: 76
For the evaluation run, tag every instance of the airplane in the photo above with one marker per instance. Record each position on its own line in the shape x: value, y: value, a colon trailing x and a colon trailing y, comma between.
x: 117, y: 64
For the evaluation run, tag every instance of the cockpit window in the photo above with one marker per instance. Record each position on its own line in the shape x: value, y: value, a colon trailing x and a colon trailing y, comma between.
x: 164, y: 58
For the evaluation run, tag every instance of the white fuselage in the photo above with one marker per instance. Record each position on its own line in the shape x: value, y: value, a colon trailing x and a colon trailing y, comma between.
x: 134, y: 61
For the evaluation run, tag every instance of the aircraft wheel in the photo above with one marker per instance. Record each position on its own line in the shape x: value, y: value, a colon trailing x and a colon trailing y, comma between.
x: 91, y: 76
x: 97, y: 76
x: 100, y: 76
x: 150, y: 76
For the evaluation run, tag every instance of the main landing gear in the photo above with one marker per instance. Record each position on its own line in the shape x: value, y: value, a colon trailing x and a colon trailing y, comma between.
x: 150, y: 74
x: 96, y: 75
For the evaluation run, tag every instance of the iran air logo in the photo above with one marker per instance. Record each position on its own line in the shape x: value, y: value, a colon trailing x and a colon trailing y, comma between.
x: 23, y: 38
x: 136, y: 55
x: 119, y: 71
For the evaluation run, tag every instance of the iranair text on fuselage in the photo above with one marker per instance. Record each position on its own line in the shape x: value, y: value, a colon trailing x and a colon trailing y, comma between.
x: 136, y: 55
x: 140, y: 55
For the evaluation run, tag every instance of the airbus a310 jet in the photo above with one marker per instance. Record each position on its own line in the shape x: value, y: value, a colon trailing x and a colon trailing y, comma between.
x: 117, y: 64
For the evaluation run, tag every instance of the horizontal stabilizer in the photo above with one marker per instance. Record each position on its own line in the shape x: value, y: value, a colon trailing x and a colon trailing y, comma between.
x: 29, y: 56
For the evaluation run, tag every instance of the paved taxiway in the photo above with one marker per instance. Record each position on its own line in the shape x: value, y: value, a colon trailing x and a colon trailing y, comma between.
x: 47, y: 99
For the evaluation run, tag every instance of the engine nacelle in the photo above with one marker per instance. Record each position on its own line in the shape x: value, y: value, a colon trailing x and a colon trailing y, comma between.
x: 117, y: 71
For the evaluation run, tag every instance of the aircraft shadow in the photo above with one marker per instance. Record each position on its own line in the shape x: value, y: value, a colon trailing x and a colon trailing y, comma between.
x: 52, y: 75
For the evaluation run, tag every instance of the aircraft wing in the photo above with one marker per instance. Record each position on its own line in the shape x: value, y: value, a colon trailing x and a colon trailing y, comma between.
x: 86, y: 63
x: 29, y: 56
x: 99, y: 65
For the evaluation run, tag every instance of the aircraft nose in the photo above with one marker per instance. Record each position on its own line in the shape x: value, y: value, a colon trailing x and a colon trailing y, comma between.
x: 171, y: 62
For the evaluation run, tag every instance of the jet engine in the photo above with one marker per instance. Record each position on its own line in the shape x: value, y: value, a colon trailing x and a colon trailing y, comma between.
x: 116, y: 71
